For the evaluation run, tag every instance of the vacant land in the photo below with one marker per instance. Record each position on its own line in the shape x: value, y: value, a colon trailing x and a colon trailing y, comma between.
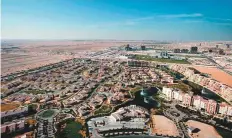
x: 216, y: 74
x: 164, y: 126
x: 32, y: 54
x: 205, y: 130
x: 12, y: 63
x: 7, y: 107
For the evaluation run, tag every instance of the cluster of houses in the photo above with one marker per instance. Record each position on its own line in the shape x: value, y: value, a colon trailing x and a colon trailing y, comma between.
x: 211, y: 84
x: 197, y: 102
x: 165, y: 77
x: 224, y: 61
x: 13, y: 126
x: 81, y: 94
x: 137, y: 75
x: 14, y: 112
x: 12, y: 87
x: 201, y: 61
x: 62, y: 80
x: 20, y: 97
x: 116, y: 98
x: 87, y: 107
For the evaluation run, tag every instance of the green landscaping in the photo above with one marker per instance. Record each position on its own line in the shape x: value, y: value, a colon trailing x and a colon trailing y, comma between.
x: 71, y: 130
x: 194, y: 87
x: 103, y: 109
x: 224, y: 133
x: 149, y: 58
x: 174, y: 74
x: 47, y: 113
x: 181, y: 86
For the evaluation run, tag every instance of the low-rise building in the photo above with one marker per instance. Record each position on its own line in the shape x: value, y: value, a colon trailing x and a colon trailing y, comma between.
x: 168, y: 93
x: 187, y: 99
x: 229, y: 111
x: 212, y: 106
x: 9, y: 127
x: 13, y: 112
x: 222, y: 108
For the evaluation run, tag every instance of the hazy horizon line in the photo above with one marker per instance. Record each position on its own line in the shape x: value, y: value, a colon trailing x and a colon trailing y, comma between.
x: 9, y: 39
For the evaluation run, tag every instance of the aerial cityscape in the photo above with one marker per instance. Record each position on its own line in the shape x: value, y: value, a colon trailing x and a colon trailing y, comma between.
x: 116, y: 69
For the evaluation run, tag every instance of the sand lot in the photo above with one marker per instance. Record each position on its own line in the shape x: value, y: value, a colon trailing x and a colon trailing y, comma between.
x: 32, y: 54
x: 16, y: 62
x: 206, y: 131
x: 216, y: 74
x: 6, y: 107
x: 163, y: 125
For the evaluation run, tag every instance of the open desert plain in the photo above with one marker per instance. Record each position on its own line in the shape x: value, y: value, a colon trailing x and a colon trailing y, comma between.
x: 23, y: 55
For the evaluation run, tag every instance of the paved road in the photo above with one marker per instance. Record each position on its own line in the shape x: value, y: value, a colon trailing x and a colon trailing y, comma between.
x: 174, y: 109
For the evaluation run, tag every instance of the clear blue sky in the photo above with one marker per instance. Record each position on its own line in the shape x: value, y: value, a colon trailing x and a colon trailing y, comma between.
x: 117, y: 19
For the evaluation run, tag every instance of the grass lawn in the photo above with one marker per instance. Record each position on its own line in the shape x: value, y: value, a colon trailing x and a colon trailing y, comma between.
x: 224, y: 133
x: 194, y: 87
x: 181, y: 86
x: 174, y: 74
x: 71, y: 130
x: 103, y: 109
x: 149, y: 58
x: 47, y: 113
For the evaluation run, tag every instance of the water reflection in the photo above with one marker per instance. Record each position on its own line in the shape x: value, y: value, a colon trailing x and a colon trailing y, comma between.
x: 144, y: 98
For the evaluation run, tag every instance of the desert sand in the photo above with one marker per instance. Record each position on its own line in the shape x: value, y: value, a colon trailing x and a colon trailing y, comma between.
x: 216, y: 74
x: 164, y: 126
x: 205, y: 130
x: 32, y: 54
x: 7, y: 107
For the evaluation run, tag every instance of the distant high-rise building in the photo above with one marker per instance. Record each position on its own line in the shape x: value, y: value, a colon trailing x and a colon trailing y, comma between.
x: 143, y: 47
x: 164, y: 54
x: 127, y: 48
x: 228, y: 45
x: 177, y: 50
x: 216, y: 46
x: 184, y: 50
x: 221, y: 52
x: 194, y: 49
